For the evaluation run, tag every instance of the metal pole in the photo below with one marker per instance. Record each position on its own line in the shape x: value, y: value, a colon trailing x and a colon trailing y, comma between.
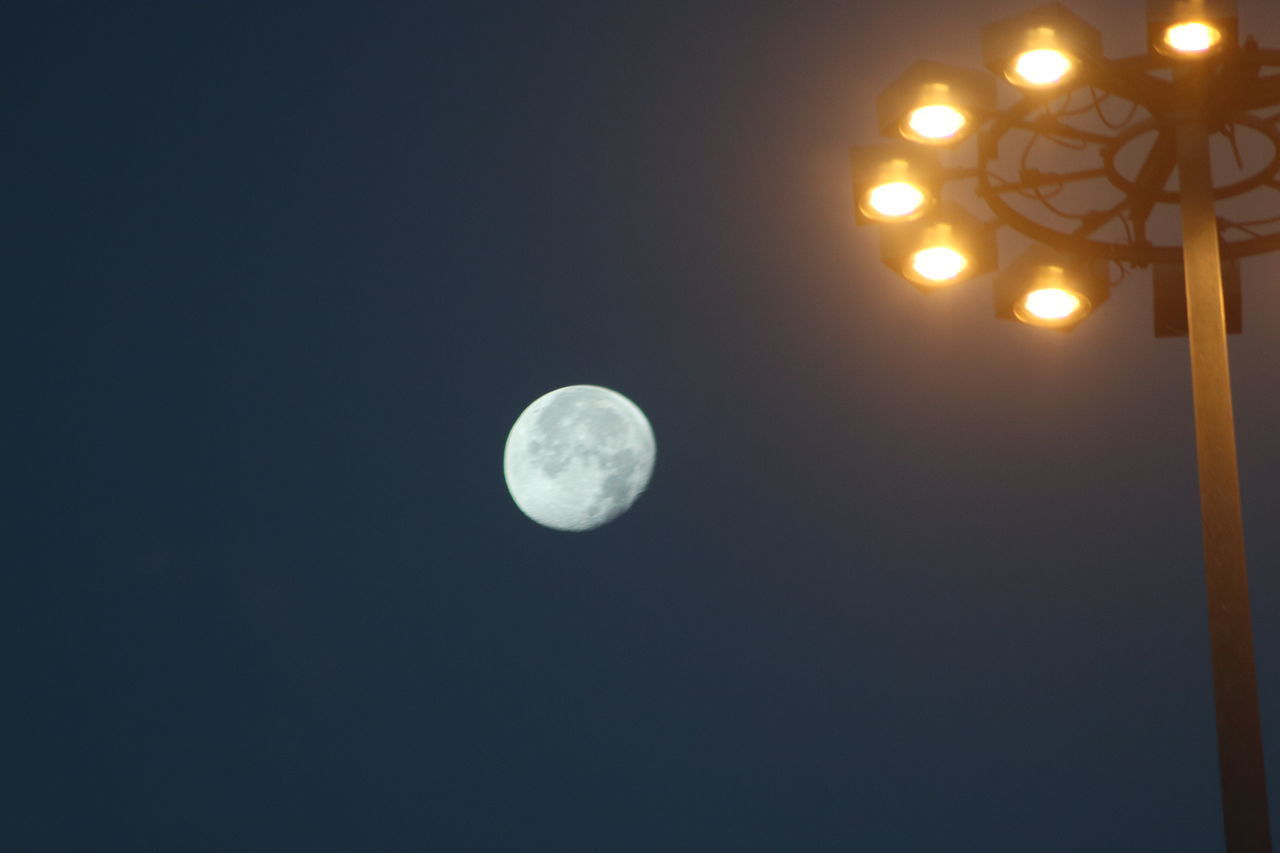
x: 1235, y: 689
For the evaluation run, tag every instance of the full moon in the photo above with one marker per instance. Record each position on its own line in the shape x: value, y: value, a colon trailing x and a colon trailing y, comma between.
x: 578, y: 457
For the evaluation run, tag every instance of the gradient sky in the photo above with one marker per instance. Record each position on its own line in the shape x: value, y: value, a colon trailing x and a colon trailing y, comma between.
x: 279, y: 278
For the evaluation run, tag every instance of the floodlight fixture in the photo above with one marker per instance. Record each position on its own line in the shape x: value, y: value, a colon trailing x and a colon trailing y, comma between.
x: 943, y: 248
x: 1052, y: 289
x: 935, y: 104
x: 1043, y: 48
x: 895, y: 182
x: 1191, y: 29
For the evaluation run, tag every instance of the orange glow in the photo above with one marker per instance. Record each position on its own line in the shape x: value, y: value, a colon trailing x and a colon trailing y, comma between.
x: 934, y: 123
x: 1192, y: 37
x: 1051, y: 303
x: 938, y: 265
x: 1041, y: 68
x: 895, y: 200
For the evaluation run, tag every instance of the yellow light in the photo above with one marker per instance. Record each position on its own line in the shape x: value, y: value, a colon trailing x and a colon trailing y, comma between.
x: 938, y: 265
x: 1041, y: 68
x: 896, y: 200
x: 1192, y: 37
x: 935, y: 123
x: 1050, y: 305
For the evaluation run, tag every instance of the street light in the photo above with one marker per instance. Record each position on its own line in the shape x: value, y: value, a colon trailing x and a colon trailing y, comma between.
x: 1196, y: 80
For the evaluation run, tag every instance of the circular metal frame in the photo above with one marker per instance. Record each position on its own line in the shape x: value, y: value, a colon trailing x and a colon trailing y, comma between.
x: 1237, y: 89
x: 1261, y: 177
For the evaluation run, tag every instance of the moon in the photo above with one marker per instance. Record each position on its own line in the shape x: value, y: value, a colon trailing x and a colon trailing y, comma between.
x: 578, y: 457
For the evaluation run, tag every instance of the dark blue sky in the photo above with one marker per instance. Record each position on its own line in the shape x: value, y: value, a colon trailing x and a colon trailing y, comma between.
x: 279, y: 277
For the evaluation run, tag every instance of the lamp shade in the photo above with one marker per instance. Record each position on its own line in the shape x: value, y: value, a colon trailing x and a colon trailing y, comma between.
x: 1043, y: 48
x: 894, y: 182
x: 1048, y: 288
x: 1191, y: 28
x: 935, y: 104
x: 942, y: 248
x: 1169, y: 297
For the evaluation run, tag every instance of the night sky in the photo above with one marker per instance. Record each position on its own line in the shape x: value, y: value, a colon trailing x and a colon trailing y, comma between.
x: 280, y: 276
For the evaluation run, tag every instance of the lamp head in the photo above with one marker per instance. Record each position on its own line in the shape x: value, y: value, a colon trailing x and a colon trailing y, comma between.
x: 894, y: 182
x: 934, y: 104
x: 1048, y: 288
x: 945, y: 247
x: 1043, y: 48
x: 1191, y: 29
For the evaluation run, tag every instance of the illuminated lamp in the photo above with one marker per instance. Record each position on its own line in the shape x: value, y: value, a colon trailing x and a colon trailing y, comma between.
x: 935, y: 104
x: 894, y: 182
x: 1051, y: 289
x: 944, y: 248
x: 1043, y: 48
x: 1191, y: 28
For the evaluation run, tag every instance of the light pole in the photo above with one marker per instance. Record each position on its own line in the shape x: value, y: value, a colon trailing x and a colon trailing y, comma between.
x: 1195, y: 81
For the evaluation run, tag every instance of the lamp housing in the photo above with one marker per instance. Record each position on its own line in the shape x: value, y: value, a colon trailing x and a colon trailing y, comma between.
x: 928, y: 85
x: 1169, y: 298
x: 1042, y: 284
x: 1049, y: 28
x: 1217, y: 19
x: 880, y: 170
x: 923, y: 251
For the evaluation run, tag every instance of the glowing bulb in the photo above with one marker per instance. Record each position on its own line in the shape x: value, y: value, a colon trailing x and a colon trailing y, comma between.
x: 1051, y: 304
x: 935, y: 123
x: 938, y: 264
x: 1041, y: 67
x: 896, y: 199
x: 1194, y: 37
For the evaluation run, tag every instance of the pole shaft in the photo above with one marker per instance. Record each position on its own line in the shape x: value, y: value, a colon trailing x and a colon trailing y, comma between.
x: 1240, y: 758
